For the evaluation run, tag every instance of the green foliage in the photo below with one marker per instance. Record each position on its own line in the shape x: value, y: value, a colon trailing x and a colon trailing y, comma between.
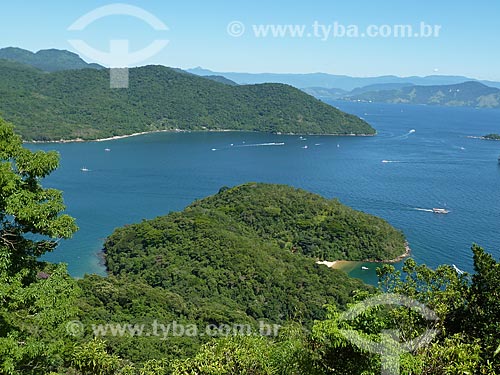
x: 33, y: 317
x: 92, y: 358
x: 82, y: 105
x: 468, y: 327
x: 249, y: 355
x: 132, y: 301
x: 37, y: 299
x: 233, y: 355
x: 307, y: 223
x: 442, y: 290
x: 235, y: 257
x: 221, y: 79
x: 231, y: 250
x: 27, y: 209
x: 452, y: 356
x: 469, y: 94
x: 49, y: 60
x: 335, y: 354
x: 483, y: 308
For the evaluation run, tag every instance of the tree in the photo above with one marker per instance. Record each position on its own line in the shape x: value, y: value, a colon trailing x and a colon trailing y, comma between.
x: 37, y: 299
x: 483, y: 307
x: 30, y: 216
x: 285, y: 354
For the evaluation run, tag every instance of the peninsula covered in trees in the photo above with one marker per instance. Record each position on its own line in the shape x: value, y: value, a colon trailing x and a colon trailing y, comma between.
x: 83, y: 106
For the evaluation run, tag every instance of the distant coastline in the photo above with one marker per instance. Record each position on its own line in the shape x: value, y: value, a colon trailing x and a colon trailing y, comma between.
x: 489, y: 137
x: 116, y: 137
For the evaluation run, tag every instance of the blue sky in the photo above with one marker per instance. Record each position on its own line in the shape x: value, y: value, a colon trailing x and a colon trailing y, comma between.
x: 197, y: 35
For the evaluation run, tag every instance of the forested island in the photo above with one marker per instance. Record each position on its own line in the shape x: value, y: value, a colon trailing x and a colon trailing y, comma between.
x: 82, y: 105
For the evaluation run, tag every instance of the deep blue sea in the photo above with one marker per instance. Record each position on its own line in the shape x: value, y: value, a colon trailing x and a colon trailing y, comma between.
x: 429, y: 162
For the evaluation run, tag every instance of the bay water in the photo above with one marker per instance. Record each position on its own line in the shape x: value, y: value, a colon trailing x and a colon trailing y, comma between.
x: 421, y: 158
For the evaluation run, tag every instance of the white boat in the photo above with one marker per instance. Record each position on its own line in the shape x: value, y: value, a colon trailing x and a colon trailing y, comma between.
x: 107, y: 149
x: 305, y: 147
x: 364, y: 268
x: 458, y: 270
x: 84, y: 169
x: 440, y: 211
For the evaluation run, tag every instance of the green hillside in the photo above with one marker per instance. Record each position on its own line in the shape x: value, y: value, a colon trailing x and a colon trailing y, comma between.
x: 467, y: 94
x: 79, y: 104
x: 212, y: 250
x: 307, y: 223
x: 239, y: 256
x: 49, y: 60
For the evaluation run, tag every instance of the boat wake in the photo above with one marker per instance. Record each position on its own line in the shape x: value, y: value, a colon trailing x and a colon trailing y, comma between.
x: 261, y: 144
x: 423, y: 209
x: 405, y: 136
x: 251, y: 145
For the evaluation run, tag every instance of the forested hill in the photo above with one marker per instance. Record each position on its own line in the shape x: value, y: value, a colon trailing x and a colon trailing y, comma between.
x: 307, y: 223
x: 80, y: 104
x: 49, y: 60
x: 467, y: 94
x: 250, y: 243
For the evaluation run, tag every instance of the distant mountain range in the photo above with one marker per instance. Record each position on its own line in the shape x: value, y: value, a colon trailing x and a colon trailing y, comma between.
x: 431, y: 90
x: 48, y: 60
x: 467, y: 94
x: 333, y: 94
x: 221, y: 79
x: 331, y: 81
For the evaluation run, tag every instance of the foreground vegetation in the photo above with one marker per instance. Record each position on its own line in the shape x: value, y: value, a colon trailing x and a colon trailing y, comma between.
x: 223, y: 260
x: 82, y: 105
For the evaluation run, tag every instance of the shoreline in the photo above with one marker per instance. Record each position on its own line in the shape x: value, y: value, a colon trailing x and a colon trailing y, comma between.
x: 483, y: 138
x: 113, y: 138
x: 341, y: 264
x: 398, y: 259
x: 81, y: 140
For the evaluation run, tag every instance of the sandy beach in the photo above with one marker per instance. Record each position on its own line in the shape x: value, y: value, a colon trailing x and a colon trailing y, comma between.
x: 77, y: 140
x: 349, y: 264
x: 108, y: 138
